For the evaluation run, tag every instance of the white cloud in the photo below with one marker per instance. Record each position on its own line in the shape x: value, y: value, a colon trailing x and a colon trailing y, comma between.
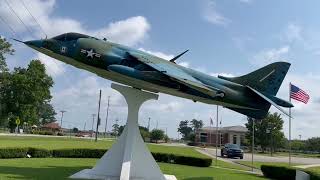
x: 305, y: 116
x: 158, y: 54
x: 246, y: 1
x: 184, y: 64
x: 128, y: 31
x: 270, y: 55
x: 211, y: 14
x: 53, y: 67
x: 293, y: 32
x: 222, y: 74
x: 166, y: 57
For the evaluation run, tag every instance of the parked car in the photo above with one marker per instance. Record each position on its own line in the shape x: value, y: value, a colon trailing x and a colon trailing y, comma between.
x: 232, y: 150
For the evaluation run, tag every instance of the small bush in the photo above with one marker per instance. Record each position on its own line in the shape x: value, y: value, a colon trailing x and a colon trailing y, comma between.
x: 278, y: 172
x: 13, y: 153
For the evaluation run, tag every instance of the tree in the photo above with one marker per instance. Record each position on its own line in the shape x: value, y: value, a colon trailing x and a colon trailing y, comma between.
x: 26, y: 91
x: 115, y: 130
x: 313, y: 144
x: 184, y: 129
x: 143, y: 131
x: 75, y: 130
x: 5, y: 49
x: 298, y: 145
x: 196, y: 125
x: 156, y: 135
x: 47, y: 113
x: 267, y: 131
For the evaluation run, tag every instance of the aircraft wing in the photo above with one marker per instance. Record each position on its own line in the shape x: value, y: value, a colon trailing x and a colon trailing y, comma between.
x: 174, y: 72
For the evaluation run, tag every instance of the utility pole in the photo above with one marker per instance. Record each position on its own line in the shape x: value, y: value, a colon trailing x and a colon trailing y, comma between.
x: 93, y: 116
x: 149, y: 125
x: 157, y: 124
x: 62, y: 112
x: 98, y: 120
x: 105, y: 127
x: 252, y: 150
x: 217, y: 129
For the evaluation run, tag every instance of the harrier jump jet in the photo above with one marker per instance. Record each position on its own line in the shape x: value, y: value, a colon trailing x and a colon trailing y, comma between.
x: 251, y: 94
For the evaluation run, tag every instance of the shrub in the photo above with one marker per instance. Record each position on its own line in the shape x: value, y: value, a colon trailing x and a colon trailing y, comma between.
x: 13, y: 152
x: 278, y: 172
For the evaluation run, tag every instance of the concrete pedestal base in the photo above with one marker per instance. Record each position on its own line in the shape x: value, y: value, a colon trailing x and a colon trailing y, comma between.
x: 128, y: 158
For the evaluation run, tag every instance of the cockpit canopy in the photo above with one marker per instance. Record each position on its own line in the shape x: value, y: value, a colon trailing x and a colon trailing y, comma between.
x: 70, y: 37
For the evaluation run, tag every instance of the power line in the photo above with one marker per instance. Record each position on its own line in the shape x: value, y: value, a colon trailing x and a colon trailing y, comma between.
x: 12, y: 10
x: 33, y: 17
x: 14, y: 33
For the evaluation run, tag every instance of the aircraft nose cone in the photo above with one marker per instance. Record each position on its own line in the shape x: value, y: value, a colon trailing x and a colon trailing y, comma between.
x: 34, y: 43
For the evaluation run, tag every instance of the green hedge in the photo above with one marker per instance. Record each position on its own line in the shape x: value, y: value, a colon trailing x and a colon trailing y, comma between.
x: 278, y: 172
x: 78, y: 153
x: 13, y: 153
x: 98, y: 153
x: 314, y: 175
x: 185, y: 160
x: 287, y: 173
x: 39, y: 153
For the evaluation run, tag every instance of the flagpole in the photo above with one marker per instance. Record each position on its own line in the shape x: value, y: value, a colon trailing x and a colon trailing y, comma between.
x: 290, y: 125
x: 217, y: 128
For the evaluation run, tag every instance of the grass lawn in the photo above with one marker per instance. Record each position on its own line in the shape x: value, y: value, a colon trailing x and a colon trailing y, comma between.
x: 66, y: 142
x: 257, y: 165
x: 230, y: 165
x: 61, y: 168
x: 316, y: 170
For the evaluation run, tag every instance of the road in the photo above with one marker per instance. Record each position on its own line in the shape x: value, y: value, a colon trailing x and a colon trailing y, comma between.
x: 263, y: 158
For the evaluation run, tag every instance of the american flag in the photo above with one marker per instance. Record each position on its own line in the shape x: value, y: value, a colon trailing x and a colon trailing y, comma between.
x: 298, y: 94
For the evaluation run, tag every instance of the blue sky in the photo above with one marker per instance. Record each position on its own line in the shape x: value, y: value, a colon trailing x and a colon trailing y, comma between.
x: 231, y: 37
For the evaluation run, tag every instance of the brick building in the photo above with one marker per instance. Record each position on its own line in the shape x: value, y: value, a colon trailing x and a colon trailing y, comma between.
x: 228, y: 134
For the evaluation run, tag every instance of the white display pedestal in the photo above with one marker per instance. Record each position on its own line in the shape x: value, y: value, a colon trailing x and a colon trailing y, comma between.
x: 129, y: 158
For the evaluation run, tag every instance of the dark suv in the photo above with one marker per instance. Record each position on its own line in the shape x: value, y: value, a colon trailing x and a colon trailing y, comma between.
x: 232, y: 150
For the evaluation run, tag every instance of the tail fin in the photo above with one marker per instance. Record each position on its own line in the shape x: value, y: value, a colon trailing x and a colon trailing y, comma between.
x: 267, y: 79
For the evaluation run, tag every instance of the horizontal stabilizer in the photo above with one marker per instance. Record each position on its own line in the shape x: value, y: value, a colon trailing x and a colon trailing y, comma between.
x: 269, y: 100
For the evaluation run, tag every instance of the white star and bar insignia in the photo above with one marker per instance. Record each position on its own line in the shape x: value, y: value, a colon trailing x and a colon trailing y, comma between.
x: 90, y: 53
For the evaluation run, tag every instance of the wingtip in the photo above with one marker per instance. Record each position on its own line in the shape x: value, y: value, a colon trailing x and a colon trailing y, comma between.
x: 17, y: 40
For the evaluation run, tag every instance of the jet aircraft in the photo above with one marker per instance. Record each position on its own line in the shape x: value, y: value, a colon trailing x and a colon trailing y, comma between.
x: 251, y: 94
